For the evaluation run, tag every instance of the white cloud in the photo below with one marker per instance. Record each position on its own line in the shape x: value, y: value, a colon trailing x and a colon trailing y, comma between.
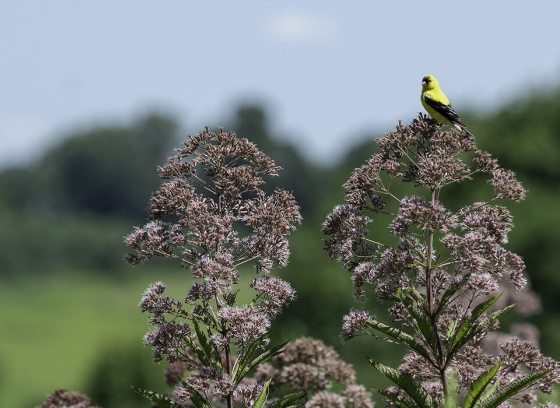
x: 301, y: 27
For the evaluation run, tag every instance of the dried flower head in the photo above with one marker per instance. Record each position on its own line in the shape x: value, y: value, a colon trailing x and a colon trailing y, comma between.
x: 307, y: 364
x: 517, y: 356
x: 244, y: 324
x: 213, y: 189
x: 209, y: 381
x: 506, y: 185
x: 273, y: 293
x: 425, y: 216
x: 247, y: 392
x: 355, y: 323
x: 325, y: 399
x: 67, y: 399
x: 357, y: 396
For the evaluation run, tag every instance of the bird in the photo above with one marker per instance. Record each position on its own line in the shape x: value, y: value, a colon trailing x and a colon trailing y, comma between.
x: 437, y: 104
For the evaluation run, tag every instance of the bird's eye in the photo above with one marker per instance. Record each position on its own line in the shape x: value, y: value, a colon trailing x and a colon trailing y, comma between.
x: 426, y: 79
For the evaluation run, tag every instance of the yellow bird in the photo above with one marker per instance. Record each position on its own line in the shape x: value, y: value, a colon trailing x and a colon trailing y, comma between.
x: 437, y: 104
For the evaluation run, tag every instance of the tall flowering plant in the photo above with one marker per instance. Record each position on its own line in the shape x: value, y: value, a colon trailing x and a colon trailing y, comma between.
x: 440, y: 271
x: 211, y: 216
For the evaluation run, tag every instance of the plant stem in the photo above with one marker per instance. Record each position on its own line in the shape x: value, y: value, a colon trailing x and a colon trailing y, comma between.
x: 229, y: 399
x: 443, y: 382
x: 430, y: 296
x: 429, y: 291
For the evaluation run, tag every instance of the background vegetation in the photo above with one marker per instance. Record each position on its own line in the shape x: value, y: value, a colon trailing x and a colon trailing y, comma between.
x: 66, y: 297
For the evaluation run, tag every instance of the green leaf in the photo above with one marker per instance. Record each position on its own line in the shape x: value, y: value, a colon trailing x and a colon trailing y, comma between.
x: 451, y: 329
x: 446, y: 297
x: 467, y: 329
x: 250, y: 363
x: 476, y: 327
x: 159, y: 399
x: 401, y: 337
x: 398, y: 400
x: 261, y: 399
x: 490, y: 390
x: 261, y: 358
x: 411, y: 299
x: 243, y: 359
x: 198, y: 400
x: 498, y: 313
x: 414, y: 294
x: 451, y: 388
x: 483, y: 306
x: 479, y: 385
x: 197, y: 350
x: 406, y: 383
x: 207, y: 346
x: 510, y: 390
x: 292, y: 400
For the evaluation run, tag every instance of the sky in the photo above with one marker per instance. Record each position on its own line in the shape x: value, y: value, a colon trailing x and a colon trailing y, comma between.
x: 326, y: 70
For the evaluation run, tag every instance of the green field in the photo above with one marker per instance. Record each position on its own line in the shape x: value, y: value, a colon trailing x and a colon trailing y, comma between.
x: 55, y: 328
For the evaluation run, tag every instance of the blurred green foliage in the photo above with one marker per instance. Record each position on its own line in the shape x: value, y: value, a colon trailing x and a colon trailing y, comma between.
x: 69, y: 210
x: 56, y: 329
x: 118, y: 368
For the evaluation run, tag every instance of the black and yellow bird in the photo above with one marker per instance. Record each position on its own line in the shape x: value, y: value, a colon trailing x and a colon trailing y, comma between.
x: 437, y: 104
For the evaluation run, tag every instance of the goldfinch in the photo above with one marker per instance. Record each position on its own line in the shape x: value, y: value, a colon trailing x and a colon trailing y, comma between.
x: 437, y: 104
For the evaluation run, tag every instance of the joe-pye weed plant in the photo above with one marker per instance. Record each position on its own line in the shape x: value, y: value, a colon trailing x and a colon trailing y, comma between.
x: 212, y: 217
x: 441, y: 274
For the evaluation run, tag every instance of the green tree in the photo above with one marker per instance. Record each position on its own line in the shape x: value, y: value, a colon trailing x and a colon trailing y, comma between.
x: 107, y: 170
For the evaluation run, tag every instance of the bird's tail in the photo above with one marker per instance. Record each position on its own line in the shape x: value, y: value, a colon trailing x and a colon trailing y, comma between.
x: 467, y: 131
x: 462, y: 128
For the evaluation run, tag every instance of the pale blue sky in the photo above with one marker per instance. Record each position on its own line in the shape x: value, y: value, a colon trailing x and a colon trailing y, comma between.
x: 326, y: 69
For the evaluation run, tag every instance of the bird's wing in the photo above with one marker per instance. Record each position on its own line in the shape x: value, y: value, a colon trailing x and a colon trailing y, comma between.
x: 446, y: 111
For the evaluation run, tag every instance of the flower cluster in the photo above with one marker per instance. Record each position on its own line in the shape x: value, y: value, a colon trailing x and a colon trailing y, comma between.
x: 247, y: 392
x: 210, y: 382
x: 273, y: 294
x: 63, y: 398
x: 245, y: 324
x: 212, y: 189
x: 212, y: 217
x: 355, y: 323
x: 308, y: 364
x: 353, y: 396
x: 473, y: 238
x: 518, y: 356
x: 420, y: 153
x: 439, y: 269
x: 479, y: 249
x: 426, y: 216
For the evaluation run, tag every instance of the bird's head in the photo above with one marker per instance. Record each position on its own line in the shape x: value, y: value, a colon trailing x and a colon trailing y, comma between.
x: 429, y: 82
